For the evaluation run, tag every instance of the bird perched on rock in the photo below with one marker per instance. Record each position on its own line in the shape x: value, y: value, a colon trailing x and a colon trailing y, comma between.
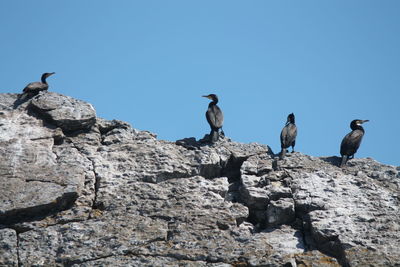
x: 35, y: 87
x: 288, y: 135
x: 351, y: 142
x: 214, y: 117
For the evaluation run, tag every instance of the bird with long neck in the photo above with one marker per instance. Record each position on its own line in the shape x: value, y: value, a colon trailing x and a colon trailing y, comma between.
x: 35, y: 87
x: 351, y: 142
x: 288, y: 135
x: 215, y: 117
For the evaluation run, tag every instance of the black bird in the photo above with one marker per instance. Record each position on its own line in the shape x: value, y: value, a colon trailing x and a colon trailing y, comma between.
x: 351, y: 142
x: 288, y: 135
x: 214, y: 117
x: 35, y: 87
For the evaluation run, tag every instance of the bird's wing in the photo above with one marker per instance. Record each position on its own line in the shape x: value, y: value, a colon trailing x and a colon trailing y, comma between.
x: 35, y: 86
x: 353, y: 137
x: 215, y: 117
x: 219, y: 117
x: 284, y: 133
x: 351, y: 141
x: 210, y: 117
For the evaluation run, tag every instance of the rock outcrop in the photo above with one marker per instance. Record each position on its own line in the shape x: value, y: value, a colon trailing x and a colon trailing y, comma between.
x: 77, y: 190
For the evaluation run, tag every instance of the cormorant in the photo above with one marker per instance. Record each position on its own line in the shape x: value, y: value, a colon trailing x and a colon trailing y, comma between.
x: 351, y: 142
x: 214, y: 117
x: 288, y: 135
x: 35, y: 87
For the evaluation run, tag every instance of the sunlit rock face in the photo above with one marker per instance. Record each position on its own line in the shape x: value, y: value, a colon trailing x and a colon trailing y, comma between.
x: 77, y: 190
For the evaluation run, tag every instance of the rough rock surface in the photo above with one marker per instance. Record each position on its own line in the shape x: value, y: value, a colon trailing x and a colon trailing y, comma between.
x: 83, y: 191
x: 66, y: 112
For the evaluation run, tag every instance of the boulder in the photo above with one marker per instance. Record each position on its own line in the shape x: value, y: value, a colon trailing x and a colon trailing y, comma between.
x: 66, y: 112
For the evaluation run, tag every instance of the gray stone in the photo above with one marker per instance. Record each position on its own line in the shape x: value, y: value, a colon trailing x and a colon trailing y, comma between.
x: 66, y: 112
x: 278, y: 190
x: 21, y: 200
x: 84, y: 191
x: 81, y: 241
x: 254, y: 197
x: 280, y: 212
x: 38, y: 177
x: 148, y: 261
x: 8, y: 248
x: 314, y: 258
x: 258, y: 164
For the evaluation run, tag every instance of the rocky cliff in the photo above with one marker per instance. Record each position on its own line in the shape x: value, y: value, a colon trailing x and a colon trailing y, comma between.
x: 77, y: 190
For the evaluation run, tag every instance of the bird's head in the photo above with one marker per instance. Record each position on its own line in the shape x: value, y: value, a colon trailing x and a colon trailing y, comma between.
x: 46, y: 74
x: 213, y: 97
x: 290, y: 118
x: 357, y: 123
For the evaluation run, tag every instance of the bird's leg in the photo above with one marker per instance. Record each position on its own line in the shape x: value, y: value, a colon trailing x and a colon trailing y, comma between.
x: 214, y: 136
x: 210, y: 136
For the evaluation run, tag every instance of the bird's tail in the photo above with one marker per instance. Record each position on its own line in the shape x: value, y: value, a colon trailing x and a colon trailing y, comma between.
x: 22, y: 96
x: 283, y: 153
x: 344, y: 160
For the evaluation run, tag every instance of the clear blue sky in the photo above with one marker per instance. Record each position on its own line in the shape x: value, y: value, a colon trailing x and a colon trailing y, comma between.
x: 149, y: 62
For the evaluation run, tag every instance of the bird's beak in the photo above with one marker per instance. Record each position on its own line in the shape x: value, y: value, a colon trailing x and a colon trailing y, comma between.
x: 206, y: 96
x: 51, y: 73
x: 364, y: 121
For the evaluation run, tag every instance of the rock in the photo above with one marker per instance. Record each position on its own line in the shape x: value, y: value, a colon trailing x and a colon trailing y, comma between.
x: 342, y: 212
x: 84, y: 191
x: 346, y: 216
x: 8, y: 248
x: 57, y: 245
x: 21, y: 199
x: 38, y: 177
x: 255, y: 198
x: 314, y: 258
x: 149, y: 261
x: 280, y: 212
x: 66, y: 112
x: 275, y: 247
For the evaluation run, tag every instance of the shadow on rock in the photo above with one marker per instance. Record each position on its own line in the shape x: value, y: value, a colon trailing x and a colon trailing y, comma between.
x: 21, y: 100
x: 192, y: 144
x: 334, y: 160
